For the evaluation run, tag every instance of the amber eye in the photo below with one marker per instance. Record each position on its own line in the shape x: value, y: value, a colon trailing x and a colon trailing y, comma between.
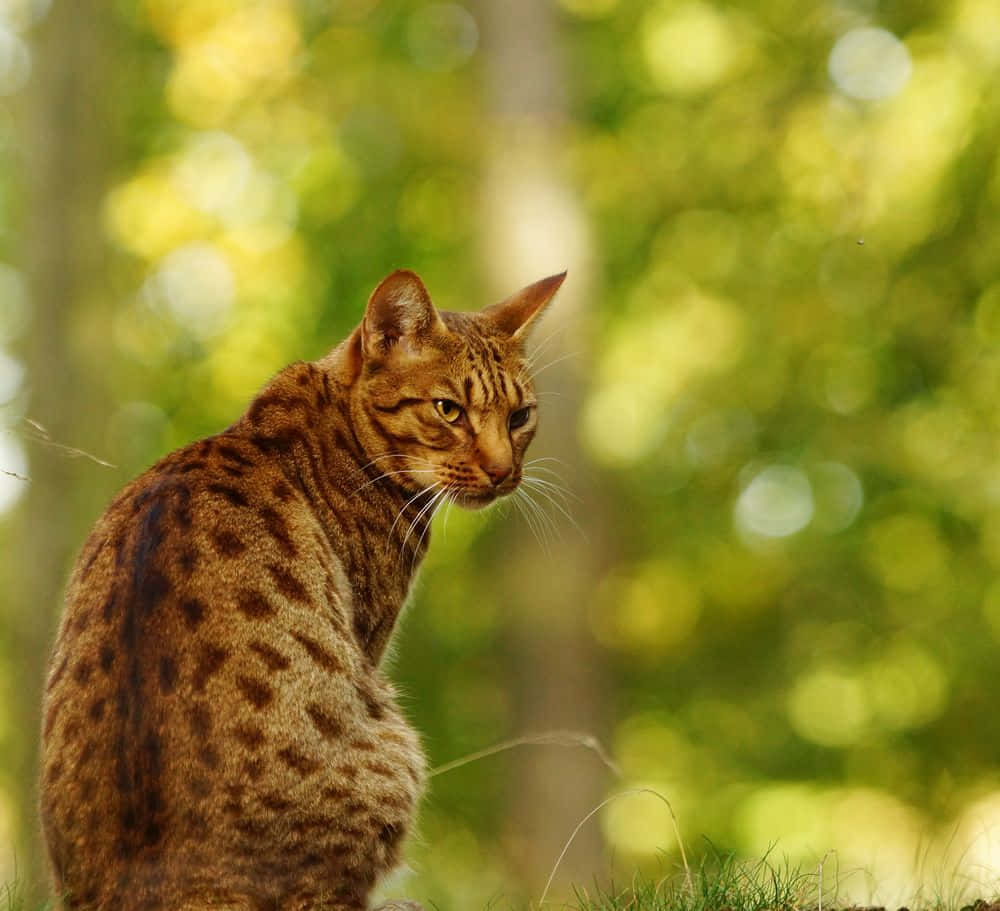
x: 518, y: 418
x: 449, y: 410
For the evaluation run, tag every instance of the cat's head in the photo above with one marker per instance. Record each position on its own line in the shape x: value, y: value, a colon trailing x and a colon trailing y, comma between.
x: 444, y: 401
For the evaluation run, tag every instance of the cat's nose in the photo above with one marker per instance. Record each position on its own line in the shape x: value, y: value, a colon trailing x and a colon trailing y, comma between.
x: 497, y: 472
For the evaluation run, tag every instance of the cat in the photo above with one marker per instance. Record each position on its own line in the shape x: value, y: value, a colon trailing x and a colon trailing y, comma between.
x: 216, y: 731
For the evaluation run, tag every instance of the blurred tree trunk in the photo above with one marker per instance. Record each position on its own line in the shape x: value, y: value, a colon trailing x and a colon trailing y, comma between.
x: 535, y: 227
x: 63, y: 130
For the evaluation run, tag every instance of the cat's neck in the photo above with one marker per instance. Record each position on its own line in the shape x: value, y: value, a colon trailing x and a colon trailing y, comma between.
x: 302, y: 421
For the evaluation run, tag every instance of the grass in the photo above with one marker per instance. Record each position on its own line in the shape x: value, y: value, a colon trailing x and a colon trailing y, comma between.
x: 12, y: 899
x: 719, y: 882
x: 722, y: 882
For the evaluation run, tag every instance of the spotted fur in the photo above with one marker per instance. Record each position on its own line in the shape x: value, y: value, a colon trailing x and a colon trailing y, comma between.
x: 217, y: 732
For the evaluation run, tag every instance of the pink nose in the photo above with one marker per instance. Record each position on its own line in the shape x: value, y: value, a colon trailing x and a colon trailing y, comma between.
x: 498, y: 472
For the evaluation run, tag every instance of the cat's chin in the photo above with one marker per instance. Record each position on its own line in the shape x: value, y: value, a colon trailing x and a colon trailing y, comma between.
x: 479, y: 499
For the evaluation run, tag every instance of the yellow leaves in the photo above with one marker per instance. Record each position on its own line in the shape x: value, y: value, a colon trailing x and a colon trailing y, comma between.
x: 686, y: 334
x: 648, y: 611
x: 906, y: 552
x: 691, y: 47
x: 838, y: 705
x: 149, y: 216
x: 226, y: 51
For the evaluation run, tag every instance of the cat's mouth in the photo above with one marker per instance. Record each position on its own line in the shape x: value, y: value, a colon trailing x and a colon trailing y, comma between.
x: 480, y: 497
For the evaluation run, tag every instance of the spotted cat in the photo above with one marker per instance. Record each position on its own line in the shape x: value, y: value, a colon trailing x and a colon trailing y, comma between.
x: 217, y: 731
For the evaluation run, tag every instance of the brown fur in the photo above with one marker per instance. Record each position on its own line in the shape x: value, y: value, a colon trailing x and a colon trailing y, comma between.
x: 217, y: 732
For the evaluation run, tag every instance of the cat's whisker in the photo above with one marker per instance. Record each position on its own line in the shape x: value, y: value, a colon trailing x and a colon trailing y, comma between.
x: 438, y: 491
x: 538, y: 460
x: 447, y: 514
x: 558, y: 496
x: 398, y: 455
x: 387, y: 455
x: 403, y: 508
x: 560, y: 481
x: 547, y: 474
x: 538, y: 350
x: 445, y: 493
x: 549, y: 495
x: 558, y: 489
x: 558, y: 360
x: 389, y: 474
x: 537, y: 520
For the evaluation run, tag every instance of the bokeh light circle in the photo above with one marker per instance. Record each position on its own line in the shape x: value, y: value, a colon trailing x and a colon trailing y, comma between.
x: 870, y: 64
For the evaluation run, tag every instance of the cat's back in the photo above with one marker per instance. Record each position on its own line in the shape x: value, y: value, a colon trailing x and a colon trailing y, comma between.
x: 204, y: 677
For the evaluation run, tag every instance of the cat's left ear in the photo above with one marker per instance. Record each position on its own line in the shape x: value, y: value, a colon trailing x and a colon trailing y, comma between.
x: 516, y: 314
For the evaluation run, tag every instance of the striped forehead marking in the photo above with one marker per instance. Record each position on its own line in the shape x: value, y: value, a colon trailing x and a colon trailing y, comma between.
x: 487, y: 381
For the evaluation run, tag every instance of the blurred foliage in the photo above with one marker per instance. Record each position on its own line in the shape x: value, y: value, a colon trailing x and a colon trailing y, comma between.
x: 790, y: 404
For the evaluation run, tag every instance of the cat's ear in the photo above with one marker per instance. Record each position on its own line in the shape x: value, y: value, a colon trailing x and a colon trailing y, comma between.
x: 399, y: 310
x: 516, y: 314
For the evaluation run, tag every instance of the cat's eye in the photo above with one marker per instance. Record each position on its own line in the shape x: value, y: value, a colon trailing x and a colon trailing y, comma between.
x: 449, y: 410
x: 518, y: 418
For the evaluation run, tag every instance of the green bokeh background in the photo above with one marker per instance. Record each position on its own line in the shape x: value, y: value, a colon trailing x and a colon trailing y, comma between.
x: 767, y: 581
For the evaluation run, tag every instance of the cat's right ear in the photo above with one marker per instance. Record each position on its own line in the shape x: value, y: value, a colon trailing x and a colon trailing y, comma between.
x: 399, y: 315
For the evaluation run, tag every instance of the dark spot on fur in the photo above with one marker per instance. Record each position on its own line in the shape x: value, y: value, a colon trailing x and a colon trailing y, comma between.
x: 362, y: 626
x: 270, y: 656
x: 168, y: 674
x: 287, y: 584
x: 336, y: 792
x: 210, y: 661
x: 232, y: 454
x: 110, y: 603
x: 278, y: 529
x: 251, y: 736
x: 208, y: 756
x: 188, y: 560
x: 282, y: 491
x: 152, y: 589
x: 253, y: 604
x: 193, y: 610
x: 276, y: 443
x: 227, y: 543
x: 199, y: 786
x: 275, y: 802
x: 323, y: 657
x: 298, y: 761
x: 200, y: 719
x: 254, y: 828
x: 229, y: 493
x: 329, y: 726
x: 254, y: 769
x: 256, y: 692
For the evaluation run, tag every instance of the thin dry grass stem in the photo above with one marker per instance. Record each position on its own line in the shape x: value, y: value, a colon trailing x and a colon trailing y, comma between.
x: 39, y: 434
x: 547, y: 738
x: 14, y: 474
x: 688, y: 881
x: 819, y: 873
